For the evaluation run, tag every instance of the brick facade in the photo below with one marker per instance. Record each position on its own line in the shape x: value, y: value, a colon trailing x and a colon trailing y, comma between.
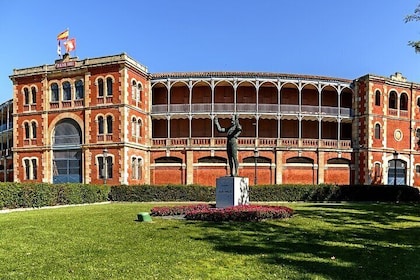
x: 108, y: 120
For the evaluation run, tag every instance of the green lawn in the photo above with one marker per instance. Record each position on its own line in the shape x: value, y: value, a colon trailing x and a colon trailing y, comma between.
x: 321, y: 241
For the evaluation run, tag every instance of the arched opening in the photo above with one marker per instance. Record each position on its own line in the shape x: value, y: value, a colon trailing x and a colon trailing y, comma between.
x: 67, y: 152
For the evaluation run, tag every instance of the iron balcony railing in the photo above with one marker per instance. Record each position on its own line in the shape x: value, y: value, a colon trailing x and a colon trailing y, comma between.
x: 253, y: 142
x: 251, y: 108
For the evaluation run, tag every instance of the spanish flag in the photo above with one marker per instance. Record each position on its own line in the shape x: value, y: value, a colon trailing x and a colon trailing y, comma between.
x: 63, y: 35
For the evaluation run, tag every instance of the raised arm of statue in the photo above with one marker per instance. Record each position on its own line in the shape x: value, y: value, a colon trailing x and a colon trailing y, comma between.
x: 219, y: 128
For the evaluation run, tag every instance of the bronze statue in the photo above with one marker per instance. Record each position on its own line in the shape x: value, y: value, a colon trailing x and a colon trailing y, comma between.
x: 233, y: 132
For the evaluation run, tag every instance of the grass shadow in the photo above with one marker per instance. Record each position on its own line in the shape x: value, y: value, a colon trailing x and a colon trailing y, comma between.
x: 337, y: 241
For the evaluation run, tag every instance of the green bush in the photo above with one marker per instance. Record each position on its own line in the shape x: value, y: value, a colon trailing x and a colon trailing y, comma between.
x: 14, y: 195
x: 162, y: 193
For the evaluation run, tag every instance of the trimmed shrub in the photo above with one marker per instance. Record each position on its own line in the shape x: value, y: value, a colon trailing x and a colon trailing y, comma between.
x: 162, y: 193
x: 14, y: 195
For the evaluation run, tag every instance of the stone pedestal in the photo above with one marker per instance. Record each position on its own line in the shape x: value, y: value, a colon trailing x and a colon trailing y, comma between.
x: 231, y: 191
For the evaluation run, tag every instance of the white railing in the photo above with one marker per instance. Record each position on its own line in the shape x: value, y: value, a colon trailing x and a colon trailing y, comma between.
x: 252, y: 142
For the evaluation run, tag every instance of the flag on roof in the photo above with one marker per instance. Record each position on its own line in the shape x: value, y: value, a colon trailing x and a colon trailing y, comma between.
x: 59, y: 49
x: 70, y: 45
x: 63, y: 35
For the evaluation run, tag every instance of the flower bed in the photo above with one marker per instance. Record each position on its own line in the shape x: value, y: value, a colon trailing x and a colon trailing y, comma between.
x: 243, y: 213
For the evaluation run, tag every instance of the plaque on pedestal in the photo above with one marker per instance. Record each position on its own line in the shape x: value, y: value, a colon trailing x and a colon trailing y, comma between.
x: 231, y: 191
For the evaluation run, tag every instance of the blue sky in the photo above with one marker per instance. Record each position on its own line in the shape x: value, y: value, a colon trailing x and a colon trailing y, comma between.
x: 345, y: 39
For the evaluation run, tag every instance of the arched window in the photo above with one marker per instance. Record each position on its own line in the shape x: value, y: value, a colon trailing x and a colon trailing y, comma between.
x: 133, y: 90
x: 33, y: 91
x: 34, y: 130
x: 418, y: 102
x: 100, y: 125
x: 139, y: 92
x: 109, y: 124
x: 393, y: 100
x: 80, y: 92
x: 101, y: 87
x: 139, y: 168
x: 134, y: 127
x: 377, y: 131
x: 26, y: 96
x: 404, y: 102
x: 26, y: 162
x: 139, y: 128
x: 66, y: 91
x: 377, y: 98
x: 54, y: 92
x: 31, y: 168
x: 105, y: 167
x: 109, y: 86
x: 34, y: 168
x: 27, y: 131
x: 67, y: 152
x: 136, y: 168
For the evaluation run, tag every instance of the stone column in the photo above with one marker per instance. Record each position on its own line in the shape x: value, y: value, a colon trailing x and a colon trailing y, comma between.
x: 321, y: 167
x: 279, y: 167
x: 190, y: 167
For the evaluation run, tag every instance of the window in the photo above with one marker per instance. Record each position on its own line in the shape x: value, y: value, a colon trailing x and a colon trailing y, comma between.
x: 139, y: 91
x: 377, y: 168
x: 393, y: 100
x: 26, y: 96
x: 377, y: 131
x: 133, y: 90
x: 418, y: 102
x: 31, y: 168
x: 80, y: 92
x: 27, y: 131
x: 139, y: 168
x: 136, y: 168
x: 26, y: 163
x: 33, y: 90
x: 377, y: 98
x: 34, y: 168
x: 109, y: 124
x: 133, y: 126
x: 133, y: 168
x: 418, y: 169
x: 108, y: 86
x: 66, y: 91
x: 139, y: 128
x: 404, y: 102
x: 54, y: 92
x: 101, y: 88
x: 100, y: 125
x: 34, y: 130
x: 105, y: 168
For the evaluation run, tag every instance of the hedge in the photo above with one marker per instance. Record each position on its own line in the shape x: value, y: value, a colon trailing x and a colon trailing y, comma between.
x: 14, y: 195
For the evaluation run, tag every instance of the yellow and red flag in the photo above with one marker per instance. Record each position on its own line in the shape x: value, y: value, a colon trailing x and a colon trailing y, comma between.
x: 63, y: 35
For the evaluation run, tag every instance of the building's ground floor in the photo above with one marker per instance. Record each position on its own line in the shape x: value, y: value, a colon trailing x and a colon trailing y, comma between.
x: 115, y: 164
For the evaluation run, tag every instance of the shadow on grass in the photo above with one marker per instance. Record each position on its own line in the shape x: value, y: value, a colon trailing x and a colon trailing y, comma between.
x: 337, y: 241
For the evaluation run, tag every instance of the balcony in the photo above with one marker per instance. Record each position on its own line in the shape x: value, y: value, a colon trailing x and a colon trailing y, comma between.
x: 252, y: 142
x: 201, y: 108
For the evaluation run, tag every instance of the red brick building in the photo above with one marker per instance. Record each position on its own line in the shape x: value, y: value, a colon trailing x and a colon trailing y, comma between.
x: 109, y: 120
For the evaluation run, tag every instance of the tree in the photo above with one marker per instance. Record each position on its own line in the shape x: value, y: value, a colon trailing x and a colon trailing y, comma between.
x: 414, y: 17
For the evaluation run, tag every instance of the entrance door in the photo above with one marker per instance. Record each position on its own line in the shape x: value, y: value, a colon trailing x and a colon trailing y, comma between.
x: 397, y: 172
x: 67, y: 167
x: 67, y: 153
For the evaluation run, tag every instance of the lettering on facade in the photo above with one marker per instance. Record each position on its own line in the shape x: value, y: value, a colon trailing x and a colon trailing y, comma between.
x: 65, y: 64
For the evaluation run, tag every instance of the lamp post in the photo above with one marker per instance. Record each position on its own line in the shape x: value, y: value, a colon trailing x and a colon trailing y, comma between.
x: 256, y: 154
x: 395, y: 154
x: 105, y: 165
